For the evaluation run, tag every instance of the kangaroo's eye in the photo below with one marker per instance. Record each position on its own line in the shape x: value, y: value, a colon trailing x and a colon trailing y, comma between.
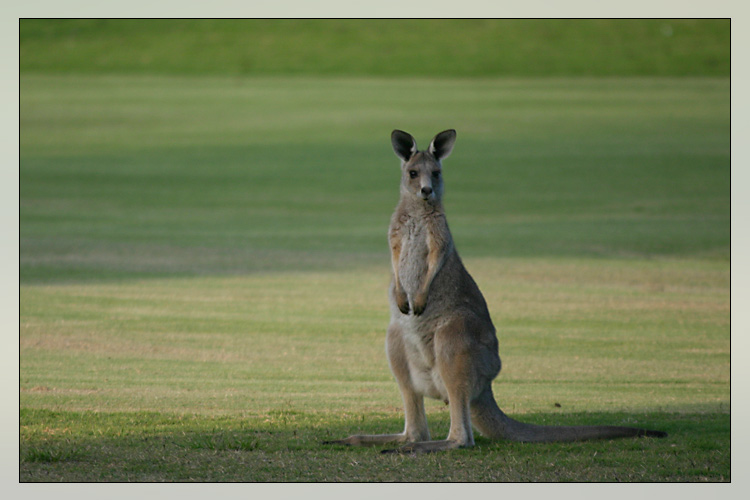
x: 436, y: 174
x: 413, y: 174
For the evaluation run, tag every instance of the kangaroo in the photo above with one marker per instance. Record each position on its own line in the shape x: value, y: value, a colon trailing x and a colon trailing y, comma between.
x: 441, y: 342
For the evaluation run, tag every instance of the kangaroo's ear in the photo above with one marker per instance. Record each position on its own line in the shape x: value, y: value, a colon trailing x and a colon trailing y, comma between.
x: 442, y: 145
x: 403, y: 144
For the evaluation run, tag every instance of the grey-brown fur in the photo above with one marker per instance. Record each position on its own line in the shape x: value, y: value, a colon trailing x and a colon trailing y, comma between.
x: 441, y: 342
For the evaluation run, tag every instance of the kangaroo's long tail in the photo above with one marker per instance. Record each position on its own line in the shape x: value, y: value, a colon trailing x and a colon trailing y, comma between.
x: 493, y: 423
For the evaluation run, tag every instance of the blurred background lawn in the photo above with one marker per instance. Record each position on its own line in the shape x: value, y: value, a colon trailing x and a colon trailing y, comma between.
x: 437, y: 48
x: 201, y: 146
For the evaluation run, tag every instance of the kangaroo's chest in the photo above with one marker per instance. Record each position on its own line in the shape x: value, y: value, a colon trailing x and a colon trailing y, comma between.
x: 412, y: 265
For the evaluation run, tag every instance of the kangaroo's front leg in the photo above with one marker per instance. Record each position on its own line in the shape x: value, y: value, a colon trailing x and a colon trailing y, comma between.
x: 402, y: 301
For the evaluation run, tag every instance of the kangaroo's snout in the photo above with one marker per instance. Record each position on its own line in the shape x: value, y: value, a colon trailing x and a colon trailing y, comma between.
x: 426, y: 191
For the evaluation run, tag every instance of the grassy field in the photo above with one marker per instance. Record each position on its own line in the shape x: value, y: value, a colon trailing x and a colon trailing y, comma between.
x: 241, y: 378
x: 204, y: 272
x: 142, y: 176
x: 203, y: 261
x: 384, y: 47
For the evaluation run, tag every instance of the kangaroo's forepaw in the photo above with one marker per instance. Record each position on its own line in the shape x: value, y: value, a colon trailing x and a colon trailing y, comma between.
x: 402, y: 301
x: 420, y: 303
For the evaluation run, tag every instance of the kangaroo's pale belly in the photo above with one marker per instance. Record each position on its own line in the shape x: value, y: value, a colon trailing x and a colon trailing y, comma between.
x: 418, y: 339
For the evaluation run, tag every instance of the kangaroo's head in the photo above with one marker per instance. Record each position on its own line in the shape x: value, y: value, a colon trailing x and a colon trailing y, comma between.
x: 421, y: 175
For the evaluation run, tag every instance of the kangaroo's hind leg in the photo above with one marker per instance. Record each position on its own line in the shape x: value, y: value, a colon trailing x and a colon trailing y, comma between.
x: 457, y: 371
x: 415, y: 427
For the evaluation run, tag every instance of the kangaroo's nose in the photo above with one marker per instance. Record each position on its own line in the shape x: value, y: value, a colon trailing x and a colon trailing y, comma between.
x: 427, y: 190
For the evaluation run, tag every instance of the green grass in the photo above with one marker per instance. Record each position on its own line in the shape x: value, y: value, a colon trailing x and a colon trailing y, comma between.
x: 394, y: 48
x: 241, y: 378
x: 257, y: 342
x: 131, y: 176
x: 283, y: 446
x: 204, y: 270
